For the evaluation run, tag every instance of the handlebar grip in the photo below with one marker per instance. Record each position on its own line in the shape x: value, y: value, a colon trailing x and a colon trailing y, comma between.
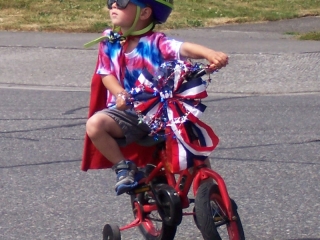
x: 198, y: 74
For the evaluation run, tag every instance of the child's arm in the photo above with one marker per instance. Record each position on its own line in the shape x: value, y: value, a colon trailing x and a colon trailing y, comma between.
x: 217, y: 60
x: 112, y: 84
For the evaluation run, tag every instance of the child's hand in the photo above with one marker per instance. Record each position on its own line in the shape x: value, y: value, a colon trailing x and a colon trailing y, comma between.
x: 121, y: 101
x: 217, y: 60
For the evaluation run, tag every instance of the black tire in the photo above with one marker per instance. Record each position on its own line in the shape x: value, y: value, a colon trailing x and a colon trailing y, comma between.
x: 210, y: 215
x: 111, y: 232
x: 153, y: 227
x: 169, y: 204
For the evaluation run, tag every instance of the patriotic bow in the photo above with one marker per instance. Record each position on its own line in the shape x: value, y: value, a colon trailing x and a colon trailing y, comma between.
x: 170, y: 103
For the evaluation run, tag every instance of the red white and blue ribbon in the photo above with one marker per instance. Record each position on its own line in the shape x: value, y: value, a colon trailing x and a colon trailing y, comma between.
x: 171, y: 105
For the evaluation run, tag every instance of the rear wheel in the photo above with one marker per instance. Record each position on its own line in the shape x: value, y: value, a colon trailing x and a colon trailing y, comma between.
x: 152, y: 226
x: 211, y: 215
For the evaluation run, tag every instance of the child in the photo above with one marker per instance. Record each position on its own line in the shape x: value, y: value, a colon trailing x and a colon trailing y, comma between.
x: 122, y: 56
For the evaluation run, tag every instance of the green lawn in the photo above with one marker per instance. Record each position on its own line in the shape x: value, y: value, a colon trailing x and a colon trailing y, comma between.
x: 92, y: 15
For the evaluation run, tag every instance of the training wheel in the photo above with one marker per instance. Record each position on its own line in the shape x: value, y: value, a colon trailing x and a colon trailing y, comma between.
x: 111, y: 232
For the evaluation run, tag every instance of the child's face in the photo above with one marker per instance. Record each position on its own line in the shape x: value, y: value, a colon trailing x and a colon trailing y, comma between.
x: 123, y: 18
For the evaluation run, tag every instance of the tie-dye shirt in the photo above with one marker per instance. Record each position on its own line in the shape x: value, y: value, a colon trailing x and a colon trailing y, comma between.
x: 152, y: 50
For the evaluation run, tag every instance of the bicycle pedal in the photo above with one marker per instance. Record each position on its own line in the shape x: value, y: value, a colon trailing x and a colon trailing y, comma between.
x: 139, y: 189
x: 218, y: 219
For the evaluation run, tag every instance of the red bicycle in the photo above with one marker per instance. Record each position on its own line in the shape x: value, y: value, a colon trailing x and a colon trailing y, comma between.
x: 159, y: 201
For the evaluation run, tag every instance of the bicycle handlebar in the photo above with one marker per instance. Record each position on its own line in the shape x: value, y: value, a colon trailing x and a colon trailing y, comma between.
x: 198, y: 74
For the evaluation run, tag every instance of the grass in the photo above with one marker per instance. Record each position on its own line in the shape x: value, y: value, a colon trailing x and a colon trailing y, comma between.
x: 310, y: 36
x: 305, y: 36
x: 92, y: 15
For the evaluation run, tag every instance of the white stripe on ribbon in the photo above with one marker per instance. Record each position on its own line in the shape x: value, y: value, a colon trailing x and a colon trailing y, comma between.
x: 150, y: 114
x: 177, y: 76
x: 144, y: 81
x: 205, y: 134
x: 183, y: 164
x: 193, y: 91
x: 205, y: 151
x: 196, y: 112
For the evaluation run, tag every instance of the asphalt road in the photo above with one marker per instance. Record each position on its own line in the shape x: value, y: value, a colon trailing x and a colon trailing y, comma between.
x: 264, y: 106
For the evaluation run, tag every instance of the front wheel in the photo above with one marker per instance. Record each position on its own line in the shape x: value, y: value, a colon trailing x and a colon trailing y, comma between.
x: 211, y: 215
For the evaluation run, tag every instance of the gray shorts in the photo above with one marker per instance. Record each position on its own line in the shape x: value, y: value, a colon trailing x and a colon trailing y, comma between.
x: 129, y: 123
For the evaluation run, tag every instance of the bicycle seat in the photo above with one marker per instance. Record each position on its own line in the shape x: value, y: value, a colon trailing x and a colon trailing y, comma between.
x: 149, y: 141
x: 146, y: 141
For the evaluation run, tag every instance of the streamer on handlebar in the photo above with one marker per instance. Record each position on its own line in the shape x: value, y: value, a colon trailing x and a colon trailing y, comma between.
x: 174, y: 81
x: 169, y: 102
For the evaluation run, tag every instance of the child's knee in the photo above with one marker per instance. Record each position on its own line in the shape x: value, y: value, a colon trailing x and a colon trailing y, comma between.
x: 93, y: 126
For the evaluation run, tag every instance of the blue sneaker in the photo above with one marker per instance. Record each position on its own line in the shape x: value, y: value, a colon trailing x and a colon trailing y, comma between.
x: 127, y: 176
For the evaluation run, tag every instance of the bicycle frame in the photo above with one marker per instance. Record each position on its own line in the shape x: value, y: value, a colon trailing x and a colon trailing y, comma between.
x: 195, y: 175
x: 182, y: 185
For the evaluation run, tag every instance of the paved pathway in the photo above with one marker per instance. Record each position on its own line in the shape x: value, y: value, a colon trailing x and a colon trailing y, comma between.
x: 268, y: 153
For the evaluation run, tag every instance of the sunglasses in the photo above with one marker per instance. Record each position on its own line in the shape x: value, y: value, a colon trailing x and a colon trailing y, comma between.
x: 122, y: 4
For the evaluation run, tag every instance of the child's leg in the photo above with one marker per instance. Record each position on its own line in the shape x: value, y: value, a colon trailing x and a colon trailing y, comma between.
x: 102, y: 130
x: 106, y: 125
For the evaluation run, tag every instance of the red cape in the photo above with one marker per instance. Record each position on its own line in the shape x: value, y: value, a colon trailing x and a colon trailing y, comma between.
x: 92, y: 158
